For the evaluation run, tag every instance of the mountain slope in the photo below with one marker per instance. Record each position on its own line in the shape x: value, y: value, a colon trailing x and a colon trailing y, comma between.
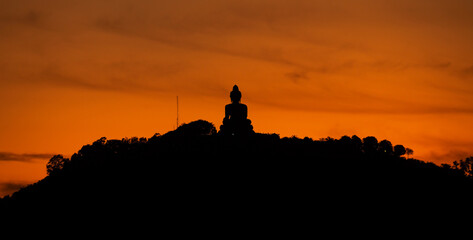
x: 193, y: 169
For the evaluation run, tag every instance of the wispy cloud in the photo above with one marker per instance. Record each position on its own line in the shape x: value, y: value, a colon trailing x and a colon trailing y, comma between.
x: 466, y: 71
x: 11, y: 186
x: 24, y: 157
x: 297, y: 76
x: 31, y: 18
x: 7, y: 188
x: 222, y: 28
x: 55, y: 77
x: 448, y: 156
x: 352, y: 102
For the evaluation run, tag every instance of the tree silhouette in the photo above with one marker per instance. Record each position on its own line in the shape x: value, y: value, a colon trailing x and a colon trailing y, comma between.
x: 466, y: 166
x: 385, y: 147
x: 56, y: 164
x: 100, y: 141
x: 357, y: 143
x: 399, y: 150
x: 409, y: 152
x: 370, y: 145
x: 196, y: 128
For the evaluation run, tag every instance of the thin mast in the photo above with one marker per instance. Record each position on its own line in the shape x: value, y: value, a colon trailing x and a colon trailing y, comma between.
x: 177, y: 112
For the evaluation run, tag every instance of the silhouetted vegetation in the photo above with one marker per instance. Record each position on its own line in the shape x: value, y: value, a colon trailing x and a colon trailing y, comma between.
x: 193, y: 166
x: 399, y: 150
x: 465, y: 166
x: 56, y: 164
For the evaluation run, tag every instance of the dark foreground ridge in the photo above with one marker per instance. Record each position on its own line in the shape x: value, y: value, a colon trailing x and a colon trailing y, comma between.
x: 194, y: 169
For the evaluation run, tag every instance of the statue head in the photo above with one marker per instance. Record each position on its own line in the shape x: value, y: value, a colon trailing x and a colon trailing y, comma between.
x: 235, y: 95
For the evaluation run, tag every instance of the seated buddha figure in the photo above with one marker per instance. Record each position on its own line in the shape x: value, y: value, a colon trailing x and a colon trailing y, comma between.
x: 236, y: 121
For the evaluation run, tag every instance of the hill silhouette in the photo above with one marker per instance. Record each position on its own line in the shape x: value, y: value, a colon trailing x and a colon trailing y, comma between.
x: 193, y: 171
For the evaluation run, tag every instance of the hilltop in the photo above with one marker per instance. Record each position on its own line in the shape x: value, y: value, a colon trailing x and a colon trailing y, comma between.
x: 195, y: 169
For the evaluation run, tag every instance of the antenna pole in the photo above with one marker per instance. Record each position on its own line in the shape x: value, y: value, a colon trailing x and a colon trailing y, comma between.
x: 177, y: 118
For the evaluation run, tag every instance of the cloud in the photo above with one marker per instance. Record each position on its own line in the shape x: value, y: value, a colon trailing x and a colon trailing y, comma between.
x: 24, y: 157
x: 11, y: 186
x: 227, y: 29
x: 350, y: 101
x: 30, y: 18
x: 447, y: 157
x: 56, y: 77
x: 7, y: 188
x: 297, y: 76
x: 466, y: 72
x: 275, y: 53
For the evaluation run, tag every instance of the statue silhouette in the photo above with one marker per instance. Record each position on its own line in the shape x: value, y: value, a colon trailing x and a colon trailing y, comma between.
x: 236, y: 120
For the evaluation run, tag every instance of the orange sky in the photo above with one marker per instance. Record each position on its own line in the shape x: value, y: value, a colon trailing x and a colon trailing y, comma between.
x: 74, y: 71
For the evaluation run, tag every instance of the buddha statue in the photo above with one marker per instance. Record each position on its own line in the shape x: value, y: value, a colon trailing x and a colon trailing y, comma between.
x: 236, y: 120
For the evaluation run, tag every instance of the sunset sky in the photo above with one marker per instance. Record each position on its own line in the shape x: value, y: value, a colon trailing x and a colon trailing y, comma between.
x: 74, y: 71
